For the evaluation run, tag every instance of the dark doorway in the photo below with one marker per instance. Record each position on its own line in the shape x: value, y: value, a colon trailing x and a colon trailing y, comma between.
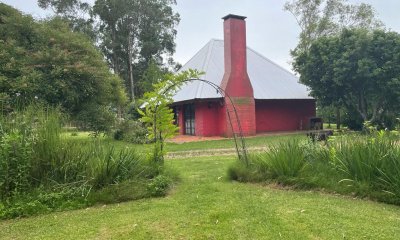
x: 189, y: 118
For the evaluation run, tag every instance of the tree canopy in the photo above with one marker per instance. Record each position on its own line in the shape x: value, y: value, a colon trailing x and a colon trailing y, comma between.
x: 76, y: 12
x: 323, y: 18
x: 318, y: 18
x: 135, y: 32
x: 45, y: 60
x: 132, y: 34
x: 357, y: 69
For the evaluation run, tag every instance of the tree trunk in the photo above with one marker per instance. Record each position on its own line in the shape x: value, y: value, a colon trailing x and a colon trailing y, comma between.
x: 338, y: 120
x: 130, y: 69
x: 115, y: 57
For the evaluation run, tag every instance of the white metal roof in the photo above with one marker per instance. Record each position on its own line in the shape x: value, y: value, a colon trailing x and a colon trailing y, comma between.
x: 269, y: 80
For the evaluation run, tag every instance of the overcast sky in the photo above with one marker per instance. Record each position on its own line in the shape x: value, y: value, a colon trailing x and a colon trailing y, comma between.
x: 270, y: 30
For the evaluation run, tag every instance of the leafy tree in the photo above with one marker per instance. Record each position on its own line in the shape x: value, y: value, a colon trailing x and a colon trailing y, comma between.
x: 157, y: 115
x: 130, y: 33
x: 318, y: 18
x: 77, y: 13
x: 358, y: 68
x: 47, y: 61
x: 150, y: 76
x: 133, y: 32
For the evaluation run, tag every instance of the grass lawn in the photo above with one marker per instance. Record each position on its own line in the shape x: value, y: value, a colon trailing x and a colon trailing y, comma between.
x: 257, y: 141
x: 207, y: 206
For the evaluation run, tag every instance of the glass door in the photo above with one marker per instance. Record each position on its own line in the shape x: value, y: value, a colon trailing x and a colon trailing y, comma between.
x: 189, y: 118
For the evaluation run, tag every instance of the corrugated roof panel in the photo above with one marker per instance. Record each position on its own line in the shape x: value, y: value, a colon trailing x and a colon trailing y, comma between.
x: 269, y: 80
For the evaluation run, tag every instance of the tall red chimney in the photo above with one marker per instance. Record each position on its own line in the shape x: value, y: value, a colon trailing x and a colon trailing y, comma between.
x: 236, y: 81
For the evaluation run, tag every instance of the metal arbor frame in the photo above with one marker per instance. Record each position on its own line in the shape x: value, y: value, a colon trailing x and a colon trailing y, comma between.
x: 239, y: 140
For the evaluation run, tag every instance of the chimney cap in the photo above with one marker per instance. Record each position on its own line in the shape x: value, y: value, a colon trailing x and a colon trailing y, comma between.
x: 234, y: 16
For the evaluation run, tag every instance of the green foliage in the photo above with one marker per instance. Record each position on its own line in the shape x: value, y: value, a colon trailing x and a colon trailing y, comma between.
x: 42, y: 201
x: 151, y: 75
x: 41, y: 171
x: 75, y: 12
x: 253, y: 172
x: 99, y: 119
x: 124, y: 191
x: 28, y: 141
x: 319, y: 18
x: 109, y: 166
x: 133, y: 34
x: 207, y: 206
x: 365, y: 165
x: 45, y: 61
x: 15, y: 154
x: 356, y: 69
x: 285, y: 159
x: 131, y: 131
x: 157, y: 115
x: 159, y: 186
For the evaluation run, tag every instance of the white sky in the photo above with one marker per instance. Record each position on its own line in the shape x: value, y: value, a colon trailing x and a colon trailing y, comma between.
x: 270, y: 30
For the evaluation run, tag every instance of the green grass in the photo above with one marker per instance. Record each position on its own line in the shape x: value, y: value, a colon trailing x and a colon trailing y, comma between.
x: 332, y: 126
x: 228, y: 143
x: 258, y: 141
x: 43, y: 169
x: 352, y: 164
x: 205, y: 205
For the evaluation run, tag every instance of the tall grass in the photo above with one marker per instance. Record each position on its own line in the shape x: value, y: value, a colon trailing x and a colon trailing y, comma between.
x: 36, y: 159
x: 362, y: 158
x: 367, y: 165
x: 284, y: 159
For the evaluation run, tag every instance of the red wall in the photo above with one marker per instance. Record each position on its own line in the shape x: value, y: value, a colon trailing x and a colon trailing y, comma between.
x: 284, y: 115
x: 245, y: 109
x: 270, y: 115
x: 207, y: 118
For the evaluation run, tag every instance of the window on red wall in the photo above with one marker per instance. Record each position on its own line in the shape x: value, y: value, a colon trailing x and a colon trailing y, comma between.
x: 189, y: 118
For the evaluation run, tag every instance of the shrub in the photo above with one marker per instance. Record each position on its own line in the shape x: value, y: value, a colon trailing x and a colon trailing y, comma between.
x: 29, y: 140
x: 241, y: 172
x: 96, y: 118
x: 15, y: 164
x: 159, y: 186
x: 131, y: 131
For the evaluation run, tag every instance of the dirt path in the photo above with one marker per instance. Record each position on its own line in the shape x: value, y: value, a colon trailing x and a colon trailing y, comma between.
x: 210, y: 152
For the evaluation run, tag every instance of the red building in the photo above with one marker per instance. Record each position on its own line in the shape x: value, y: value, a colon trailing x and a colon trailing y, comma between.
x: 266, y: 97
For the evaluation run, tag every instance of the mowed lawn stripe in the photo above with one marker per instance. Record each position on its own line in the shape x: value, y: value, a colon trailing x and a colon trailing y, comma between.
x: 205, y: 205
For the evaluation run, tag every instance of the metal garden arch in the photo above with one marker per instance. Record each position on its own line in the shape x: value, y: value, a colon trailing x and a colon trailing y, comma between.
x: 239, y: 140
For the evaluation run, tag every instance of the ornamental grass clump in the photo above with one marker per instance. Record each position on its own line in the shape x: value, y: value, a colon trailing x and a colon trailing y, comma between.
x: 40, y: 167
x: 360, y: 158
x: 285, y: 160
x: 365, y: 165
